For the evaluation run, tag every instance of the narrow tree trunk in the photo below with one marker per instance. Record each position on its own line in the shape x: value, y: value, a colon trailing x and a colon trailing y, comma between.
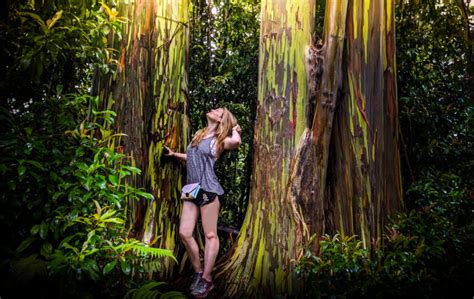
x: 365, y: 181
x: 149, y: 94
x: 329, y: 80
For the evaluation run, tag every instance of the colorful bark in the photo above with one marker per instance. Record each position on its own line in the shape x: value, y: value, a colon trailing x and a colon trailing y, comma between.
x: 260, y: 261
x: 317, y: 169
x: 338, y: 170
x: 327, y: 97
x: 365, y: 181
x: 149, y: 95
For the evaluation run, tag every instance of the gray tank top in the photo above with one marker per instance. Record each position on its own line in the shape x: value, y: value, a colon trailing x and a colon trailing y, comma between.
x: 200, y: 162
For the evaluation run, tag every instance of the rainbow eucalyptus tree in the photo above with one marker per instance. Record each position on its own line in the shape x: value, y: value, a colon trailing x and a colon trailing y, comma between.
x: 326, y: 139
x: 260, y: 261
x: 149, y: 95
x: 365, y: 182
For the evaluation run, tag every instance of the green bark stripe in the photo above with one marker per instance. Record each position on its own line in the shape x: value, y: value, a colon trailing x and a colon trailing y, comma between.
x: 148, y: 94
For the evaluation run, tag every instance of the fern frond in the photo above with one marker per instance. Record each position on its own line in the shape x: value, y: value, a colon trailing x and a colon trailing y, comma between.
x: 152, y: 251
x: 172, y: 295
x: 152, y: 266
x: 148, y: 290
x: 143, y: 249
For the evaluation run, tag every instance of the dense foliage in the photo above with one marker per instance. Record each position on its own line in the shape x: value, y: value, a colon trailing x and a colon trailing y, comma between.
x: 435, y: 89
x: 64, y: 188
x: 426, y: 252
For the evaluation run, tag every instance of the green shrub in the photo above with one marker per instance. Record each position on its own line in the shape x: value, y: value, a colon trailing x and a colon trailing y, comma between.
x: 76, y: 233
x: 434, y: 78
x: 342, y: 267
x: 427, y: 251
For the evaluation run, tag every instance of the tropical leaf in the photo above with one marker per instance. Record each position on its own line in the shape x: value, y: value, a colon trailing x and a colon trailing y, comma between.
x: 36, y: 18
x: 148, y: 290
x: 144, y: 250
x: 146, y: 195
x: 153, y: 266
x: 109, y: 267
x: 50, y: 23
x: 111, y: 12
x: 25, y: 243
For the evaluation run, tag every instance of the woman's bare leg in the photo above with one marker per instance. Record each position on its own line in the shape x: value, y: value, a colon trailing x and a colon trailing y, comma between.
x: 209, y: 214
x: 188, y: 220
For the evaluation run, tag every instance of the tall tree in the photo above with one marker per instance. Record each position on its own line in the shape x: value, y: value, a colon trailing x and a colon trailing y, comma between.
x: 149, y: 95
x: 323, y: 165
x: 365, y: 169
x: 260, y: 260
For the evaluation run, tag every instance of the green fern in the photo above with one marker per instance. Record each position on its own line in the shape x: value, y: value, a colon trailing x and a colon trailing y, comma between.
x: 153, y: 266
x: 149, y: 290
x: 152, y: 251
x: 140, y: 248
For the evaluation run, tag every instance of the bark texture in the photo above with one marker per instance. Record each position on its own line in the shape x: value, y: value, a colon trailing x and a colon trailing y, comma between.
x: 149, y: 94
x: 326, y: 139
x: 260, y: 263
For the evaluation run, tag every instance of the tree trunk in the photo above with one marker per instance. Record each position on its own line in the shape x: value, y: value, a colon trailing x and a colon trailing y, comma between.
x: 324, y: 167
x: 260, y: 263
x: 365, y: 183
x: 149, y: 94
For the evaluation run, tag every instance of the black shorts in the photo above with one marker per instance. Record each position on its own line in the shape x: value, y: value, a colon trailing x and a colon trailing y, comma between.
x: 203, y: 198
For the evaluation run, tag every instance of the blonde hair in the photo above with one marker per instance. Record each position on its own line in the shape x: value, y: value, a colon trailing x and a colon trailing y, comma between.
x: 224, y: 129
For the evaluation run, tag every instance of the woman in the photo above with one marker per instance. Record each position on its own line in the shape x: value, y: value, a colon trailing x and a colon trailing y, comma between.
x: 222, y: 133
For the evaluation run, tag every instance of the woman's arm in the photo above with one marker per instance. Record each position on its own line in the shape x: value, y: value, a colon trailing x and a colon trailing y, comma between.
x: 170, y: 153
x: 233, y: 142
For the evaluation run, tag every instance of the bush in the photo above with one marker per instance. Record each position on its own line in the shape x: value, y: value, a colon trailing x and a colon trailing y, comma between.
x: 69, y: 206
x: 342, y: 268
x: 427, y: 251
x: 434, y: 78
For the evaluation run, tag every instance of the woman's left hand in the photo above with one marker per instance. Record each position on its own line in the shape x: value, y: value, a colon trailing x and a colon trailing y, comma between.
x: 237, y: 128
x: 233, y: 142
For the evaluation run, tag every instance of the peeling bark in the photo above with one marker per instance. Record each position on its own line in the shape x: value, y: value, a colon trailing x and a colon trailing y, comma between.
x: 366, y: 185
x: 333, y: 167
x: 260, y: 263
x: 149, y: 94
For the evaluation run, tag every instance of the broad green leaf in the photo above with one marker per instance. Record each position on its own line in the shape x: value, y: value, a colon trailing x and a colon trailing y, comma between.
x: 113, y: 179
x: 109, y: 267
x: 37, y: 19
x: 132, y: 169
x: 146, y: 195
x: 114, y: 220
x: 25, y: 243
x: 21, y: 170
x: 35, y: 229
x: 125, y: 267
x: 46, y: 249
x: 108, y: 214
x: 35, y: 163
x: 43, y: 230
x: 88, y: 183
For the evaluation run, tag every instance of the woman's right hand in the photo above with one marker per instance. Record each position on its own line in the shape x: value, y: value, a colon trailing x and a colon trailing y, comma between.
x: 168, y: 152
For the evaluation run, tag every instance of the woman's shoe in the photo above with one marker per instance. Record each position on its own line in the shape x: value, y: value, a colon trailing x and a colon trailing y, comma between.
x: 203, y: 288
x: 195, y: 281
